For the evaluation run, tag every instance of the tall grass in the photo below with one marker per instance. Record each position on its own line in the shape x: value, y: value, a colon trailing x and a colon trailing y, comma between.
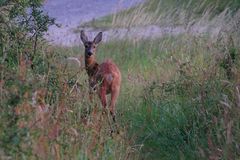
x: 169, y: 13
x: 179, y: 98
x: 176, y: 102
x: 176, y: 99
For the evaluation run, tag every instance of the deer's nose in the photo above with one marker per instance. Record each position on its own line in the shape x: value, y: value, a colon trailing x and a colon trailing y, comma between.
x: 90, y: 52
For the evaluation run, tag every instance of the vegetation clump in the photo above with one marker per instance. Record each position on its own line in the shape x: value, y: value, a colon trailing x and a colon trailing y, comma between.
x: 179, y: 98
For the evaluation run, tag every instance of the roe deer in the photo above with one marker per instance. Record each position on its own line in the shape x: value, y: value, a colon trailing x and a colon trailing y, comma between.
x: 104, y: 78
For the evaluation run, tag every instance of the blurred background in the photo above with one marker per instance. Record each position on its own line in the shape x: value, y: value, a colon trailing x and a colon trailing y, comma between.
x: 71, y: 15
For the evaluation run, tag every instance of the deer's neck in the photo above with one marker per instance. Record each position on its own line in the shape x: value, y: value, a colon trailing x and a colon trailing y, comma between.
x: 91, y: 65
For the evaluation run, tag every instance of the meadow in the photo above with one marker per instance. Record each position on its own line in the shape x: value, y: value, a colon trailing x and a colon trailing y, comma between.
x: 179, y: 97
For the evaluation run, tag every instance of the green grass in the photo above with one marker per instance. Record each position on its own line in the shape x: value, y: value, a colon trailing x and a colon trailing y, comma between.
x: 174, y: 103
x: 171, y: 94
x: 179, y: 100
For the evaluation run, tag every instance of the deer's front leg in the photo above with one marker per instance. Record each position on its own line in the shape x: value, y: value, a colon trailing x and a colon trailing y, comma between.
x: 90, y: 93
x: 91, y: 96
x: 102, y: 95
x: 92, y: 88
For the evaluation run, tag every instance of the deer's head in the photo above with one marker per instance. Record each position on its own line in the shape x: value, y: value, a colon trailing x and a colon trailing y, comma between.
x: 90, y: 46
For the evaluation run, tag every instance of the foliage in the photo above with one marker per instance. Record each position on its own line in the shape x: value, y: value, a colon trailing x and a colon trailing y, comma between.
x: 179, y: 96
x: 22, y: 25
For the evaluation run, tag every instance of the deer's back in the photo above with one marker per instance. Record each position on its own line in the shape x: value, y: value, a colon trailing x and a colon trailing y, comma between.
x: 109, y: 72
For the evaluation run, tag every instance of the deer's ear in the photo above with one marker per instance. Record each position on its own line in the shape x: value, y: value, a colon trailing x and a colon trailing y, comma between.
x: 84, y: 38
x: 98, y: 38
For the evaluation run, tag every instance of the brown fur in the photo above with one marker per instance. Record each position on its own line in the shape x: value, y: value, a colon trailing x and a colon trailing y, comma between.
x: 91, y: 65
x: 109, y: 77
x: 105, y: 78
